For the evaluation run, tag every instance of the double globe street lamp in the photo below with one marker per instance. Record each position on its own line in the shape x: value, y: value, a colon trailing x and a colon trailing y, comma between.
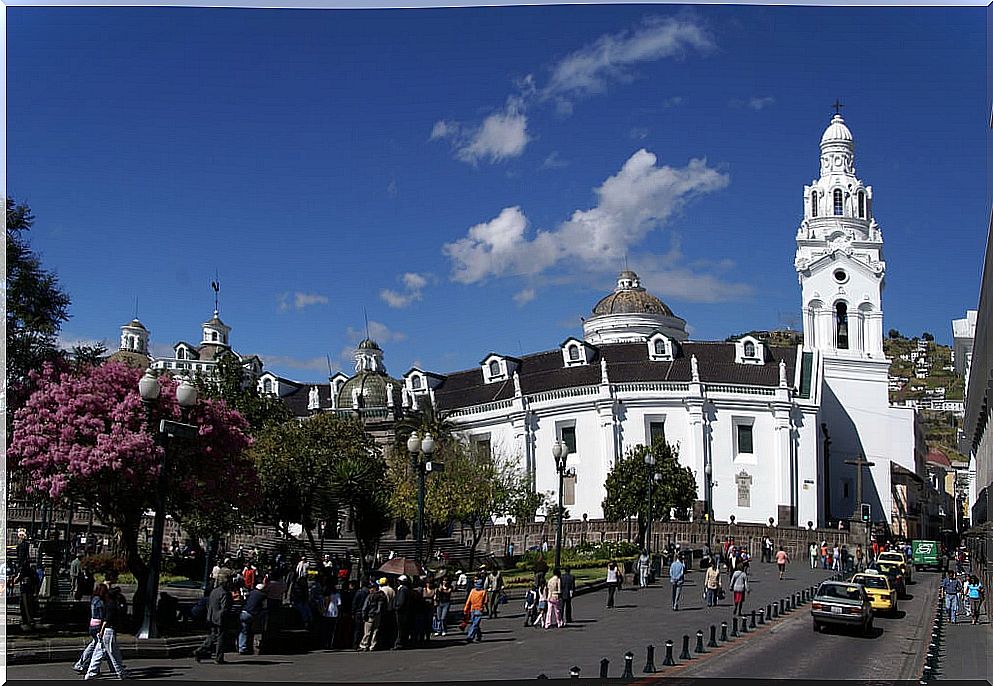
x: 560, y: 451
x: 420, y: 460
x: 186, y: 396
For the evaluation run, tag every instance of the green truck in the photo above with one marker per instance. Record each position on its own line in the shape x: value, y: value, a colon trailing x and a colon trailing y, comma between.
x: 927, y: 554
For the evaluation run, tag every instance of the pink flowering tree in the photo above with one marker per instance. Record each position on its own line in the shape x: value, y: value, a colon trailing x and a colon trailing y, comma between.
x: 84, y: 436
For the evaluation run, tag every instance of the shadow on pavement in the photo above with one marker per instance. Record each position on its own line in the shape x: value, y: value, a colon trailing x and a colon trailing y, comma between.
x: 157, y: 672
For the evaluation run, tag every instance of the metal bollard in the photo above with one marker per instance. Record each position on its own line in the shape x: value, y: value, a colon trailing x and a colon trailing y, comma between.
x: 927, y: 676
x: 782, y: 606
x: 604, y: 667
x: 734, y: 627
x: 574, y: 672
x: 724, y: 632
x: 628, y: 665
x: 699, y: 642
x: 775, y: 609
x: 668, y: 661
x: 744, y: 624
x: 751, y: 624
x: 762, y: 616
x: 542, y: 676
x: 712, y: 643
x: 685, y: 655
x: 650, y: 662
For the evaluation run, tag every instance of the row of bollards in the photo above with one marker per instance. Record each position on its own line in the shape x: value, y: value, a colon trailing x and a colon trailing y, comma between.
x: 932, y: 658
x: 739, y: 626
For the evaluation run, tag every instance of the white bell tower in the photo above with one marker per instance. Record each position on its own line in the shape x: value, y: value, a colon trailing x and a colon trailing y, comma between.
x: 839, y: 256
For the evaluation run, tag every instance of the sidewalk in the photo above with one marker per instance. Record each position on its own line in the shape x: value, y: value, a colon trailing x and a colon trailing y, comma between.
x: 967, y: 649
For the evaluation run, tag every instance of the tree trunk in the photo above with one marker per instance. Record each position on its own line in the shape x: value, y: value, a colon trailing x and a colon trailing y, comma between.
x: 312, y: 544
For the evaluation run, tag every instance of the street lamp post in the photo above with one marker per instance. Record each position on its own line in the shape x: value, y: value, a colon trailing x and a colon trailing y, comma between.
x: 186, y: 396
x: 419, y: 448
x: 560, y: 451
x: 709, y: 472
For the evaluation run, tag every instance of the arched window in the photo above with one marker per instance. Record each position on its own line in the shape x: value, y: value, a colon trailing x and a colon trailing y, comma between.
x: 181, y: 354
x: 749, y: 349
x: 573, y: 353
x: 415, y: 383
x: 813, y: 204
x: 213, y: 335
x: 133, y: 345
x: 267, y: 386
x: 861, y: 197
x: 659, y: 346
x: 839, y: 203
x: 494, y: 368
x: 841, y: 319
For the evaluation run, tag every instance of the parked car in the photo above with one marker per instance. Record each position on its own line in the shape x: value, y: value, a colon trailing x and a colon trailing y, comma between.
x: 882, y: 596
x: 892, y: 571
x: 899, y: 558
x: 841, y: 603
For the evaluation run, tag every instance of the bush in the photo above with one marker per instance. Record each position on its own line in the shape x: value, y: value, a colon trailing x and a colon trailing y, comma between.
x: 103, y: 563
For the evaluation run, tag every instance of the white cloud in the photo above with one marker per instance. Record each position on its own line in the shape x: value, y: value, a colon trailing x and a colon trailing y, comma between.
x: 610, y: 57
x: 524, y: 297
x: 392, y: 189
x: 413, y: 284
x: 320, y: 363
x: 68, y: 341
x: 641, y: 197
x: 760, y: 103
x: 301, y: 301
x: 378, y: 332
x: 638, y: 133
x: 554, y: 161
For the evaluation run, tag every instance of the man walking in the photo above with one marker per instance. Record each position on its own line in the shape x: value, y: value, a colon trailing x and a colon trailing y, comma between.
x: 951, y: 587
x: 644, y: 564
x: 494, y: 586
x: 372, y: 615
x: 218, y: 606
x: 781, y: 559
x: 677, y: 575
x: 568, y: 590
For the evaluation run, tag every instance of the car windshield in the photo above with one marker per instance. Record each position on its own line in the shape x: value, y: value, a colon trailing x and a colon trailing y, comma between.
x: 838, y: 591
x: 870, y: 581
x: 895, y: 557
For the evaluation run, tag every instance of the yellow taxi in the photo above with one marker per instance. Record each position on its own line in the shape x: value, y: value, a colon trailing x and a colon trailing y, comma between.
x: 882, y: 596
x: 895, y: 556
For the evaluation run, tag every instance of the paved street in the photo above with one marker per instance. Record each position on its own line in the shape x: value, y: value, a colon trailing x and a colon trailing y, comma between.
x: 509, y: 650
x: 791, y: 649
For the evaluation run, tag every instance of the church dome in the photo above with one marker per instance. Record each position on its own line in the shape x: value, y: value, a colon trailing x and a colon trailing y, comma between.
x: 630, y: 298
x: 836, y: 132
x: 372, y: 390
x: 368, y: 344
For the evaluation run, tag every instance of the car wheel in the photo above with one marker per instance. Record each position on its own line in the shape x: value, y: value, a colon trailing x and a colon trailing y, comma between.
x: 818, y: 627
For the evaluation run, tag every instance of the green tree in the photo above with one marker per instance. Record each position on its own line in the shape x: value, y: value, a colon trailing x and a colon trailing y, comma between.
x: 309, y: 469
x: 627, y: 485
x: 36, y: 308
x: 230, y: 384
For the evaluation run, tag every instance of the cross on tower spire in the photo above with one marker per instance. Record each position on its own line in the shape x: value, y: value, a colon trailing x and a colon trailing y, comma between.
x: 837, y: 106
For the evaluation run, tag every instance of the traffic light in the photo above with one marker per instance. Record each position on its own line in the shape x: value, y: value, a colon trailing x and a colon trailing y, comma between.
x: 866, y: 512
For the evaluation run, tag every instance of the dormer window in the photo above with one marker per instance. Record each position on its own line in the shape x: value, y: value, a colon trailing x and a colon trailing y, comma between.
x: 415, y: 383
x: 574, y: 353
x: 749, y: 350
x: 494, y: 368
x: 660, y: 348
x: 498, y: 367
x: 267, y: 386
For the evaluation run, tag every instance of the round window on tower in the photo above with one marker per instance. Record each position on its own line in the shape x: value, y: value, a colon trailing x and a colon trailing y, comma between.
x: 840, y: 275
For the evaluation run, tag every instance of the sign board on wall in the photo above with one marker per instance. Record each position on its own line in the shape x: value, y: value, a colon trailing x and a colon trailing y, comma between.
x: 744, y: 481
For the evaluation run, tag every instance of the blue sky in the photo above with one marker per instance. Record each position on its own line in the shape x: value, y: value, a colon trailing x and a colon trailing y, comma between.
x: 474, y: 178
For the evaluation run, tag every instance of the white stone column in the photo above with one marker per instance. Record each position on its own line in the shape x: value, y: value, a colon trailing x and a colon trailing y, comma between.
x: 784, y: 467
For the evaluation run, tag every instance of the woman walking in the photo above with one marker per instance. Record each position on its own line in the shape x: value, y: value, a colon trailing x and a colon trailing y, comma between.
x: 554, y: 591
x: 613, y: 581
x: 739, y: 586
x: 96, y: 619
x: 107, y: 633
x: 712, y: 582
x: 781, y: 559
x: 974, y: 593
x: 442, y: 602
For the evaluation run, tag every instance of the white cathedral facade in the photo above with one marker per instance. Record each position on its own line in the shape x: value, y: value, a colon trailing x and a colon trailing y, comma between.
x: 775, y: 427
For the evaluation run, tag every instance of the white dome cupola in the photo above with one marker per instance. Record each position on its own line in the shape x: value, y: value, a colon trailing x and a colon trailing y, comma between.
x: 839, y: 258
x: 631, y: 313
x: 215, y: 332
x: 134, y: 337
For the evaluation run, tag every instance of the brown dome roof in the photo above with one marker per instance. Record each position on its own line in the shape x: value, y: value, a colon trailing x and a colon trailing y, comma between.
x: 631, y: 298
